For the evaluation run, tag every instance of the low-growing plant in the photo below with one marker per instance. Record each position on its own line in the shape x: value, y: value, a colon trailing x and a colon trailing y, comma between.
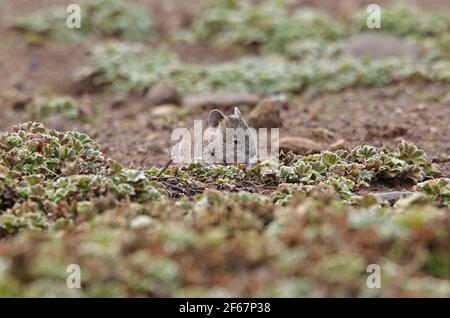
x: 314, y: 242
x: 268, y: 25
x: 62, y: 202
x: 402, y: 21
x: 32, y: 149
x: 438, y: 189
x: 128, y: 68
x: 100, y: 18
x: 44, y: 172
x: 65, y: 106
x: 271, y: 27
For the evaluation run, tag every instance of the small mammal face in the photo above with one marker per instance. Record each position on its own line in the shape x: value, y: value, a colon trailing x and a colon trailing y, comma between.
x: 226, y: 139
x: 233, y: 132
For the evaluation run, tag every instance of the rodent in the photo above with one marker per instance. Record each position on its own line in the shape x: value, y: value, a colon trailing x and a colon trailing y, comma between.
x: 215, y: 132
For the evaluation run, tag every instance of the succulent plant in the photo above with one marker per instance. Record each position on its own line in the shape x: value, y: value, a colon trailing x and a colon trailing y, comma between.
x: 438, y: 189
x: 33, y: 149
x: 49, y: 171
x: 235, y: 232
x: 62, y: 202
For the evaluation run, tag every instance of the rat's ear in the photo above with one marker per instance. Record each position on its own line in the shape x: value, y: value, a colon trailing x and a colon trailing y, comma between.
x: 214, y: 117
x: 237, y: 113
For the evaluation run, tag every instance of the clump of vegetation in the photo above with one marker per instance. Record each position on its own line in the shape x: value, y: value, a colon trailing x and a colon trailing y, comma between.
x: 339, y: 172
x: 270, y: 27
x: 100, y: 18
x: 438, y: 189
x: 65, y: 203
x: 65, y: 106
x: 443, y: 43
x: 307, y: 47
x: 128, y: 68
x: 153, y: 250
x: 267, y: 25
x: 34, y: 149
x: 402, y: 21
x: 44, y: 172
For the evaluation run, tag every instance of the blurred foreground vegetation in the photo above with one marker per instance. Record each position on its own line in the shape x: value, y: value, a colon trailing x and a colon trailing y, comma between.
x: 311, y: 236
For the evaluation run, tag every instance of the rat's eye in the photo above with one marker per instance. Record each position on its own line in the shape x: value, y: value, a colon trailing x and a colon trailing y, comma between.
x: 235, y: 141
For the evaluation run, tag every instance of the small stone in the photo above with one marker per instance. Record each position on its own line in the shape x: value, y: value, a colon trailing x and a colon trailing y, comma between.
x: 164, y: 110
x: 339, y: 145
x: 21, y: 102
x: 421, y: 107
x: 163, y: 93
x: 118, y: 102
x: 219, y: 100
x: 375, y: 46
x: 446, y: 100
x: 391, y: 197
x: 280, y: 100
x: 300, y: 146
x: 265, y: 115
x: 141, y: 222
x: 323, y: 133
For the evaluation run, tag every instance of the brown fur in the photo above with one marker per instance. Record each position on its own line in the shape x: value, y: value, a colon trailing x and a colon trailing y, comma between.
x: 232, y: 121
